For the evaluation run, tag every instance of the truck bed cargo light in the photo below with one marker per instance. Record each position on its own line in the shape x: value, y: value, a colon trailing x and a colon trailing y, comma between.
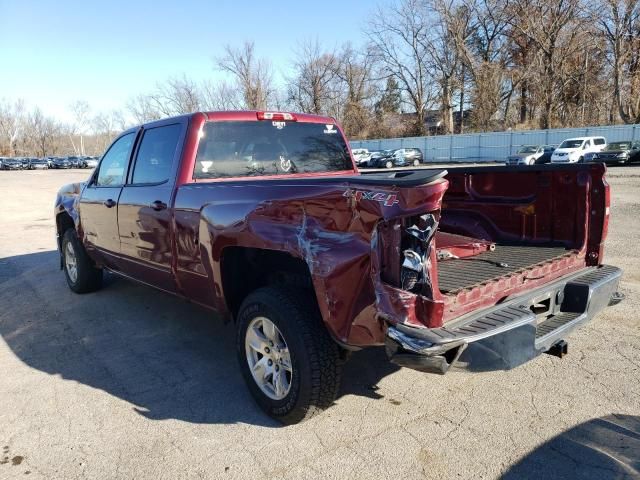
x: 277, y: 116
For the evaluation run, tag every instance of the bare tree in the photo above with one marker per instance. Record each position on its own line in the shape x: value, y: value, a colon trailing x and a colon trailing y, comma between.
x: 143, y: 109
x: 355, y: 71
x: 398, y: 36
x: 479, y: 30
x: 81, y: 112
x: 313, y: 87
x: 106, y: 126
x: 176, y: 96
x: 253, y: 76
x: 220, y: 96
x: 43, y: 132
x: 450, y: 23
x: 12, y: 123
x: 552, y: 26
x: 619, y: 23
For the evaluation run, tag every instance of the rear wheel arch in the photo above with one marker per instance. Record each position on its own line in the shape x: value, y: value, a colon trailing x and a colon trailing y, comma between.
x: 244, y: 270
x: 64, y: 222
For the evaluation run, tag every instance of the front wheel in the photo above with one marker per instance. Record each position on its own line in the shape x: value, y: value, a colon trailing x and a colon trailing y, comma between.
x: 81, y: 273
x: 291, y: 365
x: 388, y: 164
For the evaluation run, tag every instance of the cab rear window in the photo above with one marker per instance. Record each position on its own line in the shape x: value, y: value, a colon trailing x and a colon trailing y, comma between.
x: 251, y: 149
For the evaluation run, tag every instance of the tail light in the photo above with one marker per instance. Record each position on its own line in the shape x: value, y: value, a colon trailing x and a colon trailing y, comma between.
x: 405, y: 249
x: 277, y: 116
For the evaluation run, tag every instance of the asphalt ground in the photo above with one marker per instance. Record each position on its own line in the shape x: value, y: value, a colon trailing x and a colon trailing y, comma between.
x: 132, y: 383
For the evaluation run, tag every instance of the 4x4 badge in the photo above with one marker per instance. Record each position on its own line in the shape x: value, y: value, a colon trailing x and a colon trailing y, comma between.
x: 387, y: 199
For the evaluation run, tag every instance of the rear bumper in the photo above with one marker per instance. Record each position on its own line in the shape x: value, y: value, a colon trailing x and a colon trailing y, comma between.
x: 511, y: 333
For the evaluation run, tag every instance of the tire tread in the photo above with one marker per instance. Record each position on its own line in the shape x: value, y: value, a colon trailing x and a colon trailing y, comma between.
x: 322, y: 352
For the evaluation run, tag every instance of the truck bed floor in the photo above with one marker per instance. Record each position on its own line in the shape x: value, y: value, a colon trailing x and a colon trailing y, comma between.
x: 456, y: 274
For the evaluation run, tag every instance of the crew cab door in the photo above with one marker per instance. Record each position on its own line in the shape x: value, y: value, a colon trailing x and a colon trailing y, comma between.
x: 98, y: 204
x: 144, y: 208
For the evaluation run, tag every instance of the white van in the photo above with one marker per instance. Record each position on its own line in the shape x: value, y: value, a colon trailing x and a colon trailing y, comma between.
x: 573, y: 150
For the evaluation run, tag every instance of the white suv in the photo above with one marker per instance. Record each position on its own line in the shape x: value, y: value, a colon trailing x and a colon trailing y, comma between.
x: 573, y: 150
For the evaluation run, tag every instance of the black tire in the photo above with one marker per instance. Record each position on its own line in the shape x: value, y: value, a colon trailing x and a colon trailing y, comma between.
x: 315, y: 357
x: 388, y: 164
x: 88, y: 277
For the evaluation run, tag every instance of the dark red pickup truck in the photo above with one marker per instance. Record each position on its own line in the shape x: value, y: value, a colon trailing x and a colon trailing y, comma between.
x: 263, y: 217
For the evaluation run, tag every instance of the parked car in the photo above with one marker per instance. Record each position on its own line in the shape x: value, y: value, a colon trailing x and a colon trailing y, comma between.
x: 325, y: 259
x: 361, y: 156
x: 531, y: 155
x: 408, y: 156
x: 12, y: 164
x: 618, y: 153
x: 38, y: 164
x: 61, y: 162
x: 382, y: 159
x: 75, y: 161
x: 90, y: 162
x: 573, y: 150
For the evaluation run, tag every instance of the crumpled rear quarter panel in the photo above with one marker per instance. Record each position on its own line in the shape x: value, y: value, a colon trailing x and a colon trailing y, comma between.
x: 326, y: 225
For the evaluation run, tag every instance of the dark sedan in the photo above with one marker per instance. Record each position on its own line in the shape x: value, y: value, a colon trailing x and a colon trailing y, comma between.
x: 61, y: 163
x: 618, y: 153
x: 382, y: 159
x: 38, y: 164
x: 12, y: 164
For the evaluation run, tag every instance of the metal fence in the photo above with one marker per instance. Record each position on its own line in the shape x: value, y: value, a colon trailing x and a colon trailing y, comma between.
x: 488, y: 147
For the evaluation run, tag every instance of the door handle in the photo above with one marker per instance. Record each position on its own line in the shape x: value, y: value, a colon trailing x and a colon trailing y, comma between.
x: 158, y: 205
x: 109, y: 203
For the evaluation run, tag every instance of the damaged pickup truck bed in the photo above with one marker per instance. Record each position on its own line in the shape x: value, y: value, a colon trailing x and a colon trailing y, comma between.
x: 263, y: 217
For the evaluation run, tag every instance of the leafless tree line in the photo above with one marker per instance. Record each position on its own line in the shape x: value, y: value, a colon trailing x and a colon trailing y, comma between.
x: 427, y: 67
x: 29, y: 132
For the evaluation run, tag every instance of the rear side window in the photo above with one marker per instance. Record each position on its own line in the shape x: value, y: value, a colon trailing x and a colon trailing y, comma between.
x: 599, y: 141
x: 155, y: 155
x: 114, y: 163
x: 247, y: 149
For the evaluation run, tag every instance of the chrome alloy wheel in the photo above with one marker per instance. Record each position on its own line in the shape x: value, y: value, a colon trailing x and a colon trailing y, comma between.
x: 71, y: 262
x: 268, y: 358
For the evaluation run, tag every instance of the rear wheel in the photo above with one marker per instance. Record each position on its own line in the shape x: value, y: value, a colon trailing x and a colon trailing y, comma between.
x: 416, y: 162
x: 291, y: 365
x: 81, y: 273
x: 388, y: 164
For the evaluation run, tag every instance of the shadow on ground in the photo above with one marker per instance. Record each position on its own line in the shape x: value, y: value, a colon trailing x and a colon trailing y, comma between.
x: 604, y: 448
x: 168, y: 358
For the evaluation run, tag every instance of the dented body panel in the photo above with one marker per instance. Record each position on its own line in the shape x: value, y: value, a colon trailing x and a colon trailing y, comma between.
x: 335, y: 234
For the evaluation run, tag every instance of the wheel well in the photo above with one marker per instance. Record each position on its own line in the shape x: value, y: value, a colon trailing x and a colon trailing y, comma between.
x: 64, y: 222
x: 247, y: 269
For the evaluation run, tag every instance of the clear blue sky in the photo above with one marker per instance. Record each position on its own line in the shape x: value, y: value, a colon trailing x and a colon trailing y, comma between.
x: 55, y: 52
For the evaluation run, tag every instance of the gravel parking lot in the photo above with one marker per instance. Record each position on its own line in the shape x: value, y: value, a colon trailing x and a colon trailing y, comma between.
x: 131, y: 383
